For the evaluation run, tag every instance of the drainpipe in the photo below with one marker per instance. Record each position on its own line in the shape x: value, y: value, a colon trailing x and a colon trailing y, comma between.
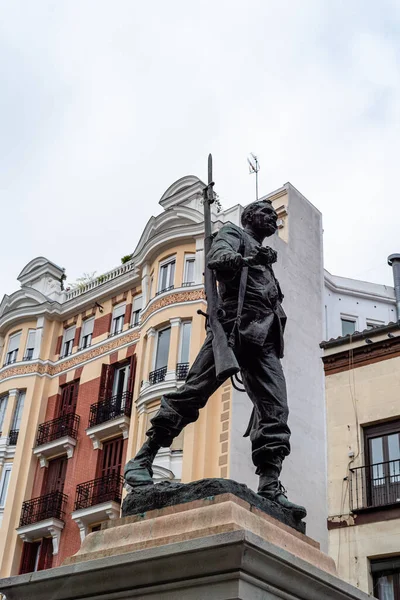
x: 394, y: 262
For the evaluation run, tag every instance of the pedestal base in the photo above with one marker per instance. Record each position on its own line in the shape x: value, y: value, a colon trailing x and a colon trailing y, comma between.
x: 219, y: 549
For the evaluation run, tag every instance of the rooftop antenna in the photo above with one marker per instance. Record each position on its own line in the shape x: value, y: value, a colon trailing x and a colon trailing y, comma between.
x: 254, y: 167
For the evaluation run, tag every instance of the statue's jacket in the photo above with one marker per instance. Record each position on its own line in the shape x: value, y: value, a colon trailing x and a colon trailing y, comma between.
x: 263, y: 319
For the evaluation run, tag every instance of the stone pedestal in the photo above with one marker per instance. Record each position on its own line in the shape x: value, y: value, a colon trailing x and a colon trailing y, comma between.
x: 220, y: 548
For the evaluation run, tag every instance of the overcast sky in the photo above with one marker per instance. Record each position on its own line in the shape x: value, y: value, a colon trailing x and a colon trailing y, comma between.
x: 104, y: 104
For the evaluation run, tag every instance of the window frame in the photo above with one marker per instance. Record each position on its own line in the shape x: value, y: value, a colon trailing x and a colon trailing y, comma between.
x: 67, y: 352
x: 7, y: 468
x: 135, y: 317
x: 18, y: 411
x: 386, y: 566
x: 3, y: 402
x: 11, y: 360
x: 348, y: 319
x: 166, y: 263
x: 117, y: 320
x: 87, y: 335
x: 189, y: 258
x: 184, y: 324
x: 28, y: 347
x: 155, y: 368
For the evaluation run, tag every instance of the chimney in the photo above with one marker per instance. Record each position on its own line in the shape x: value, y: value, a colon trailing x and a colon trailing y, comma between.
x: 394, y: 262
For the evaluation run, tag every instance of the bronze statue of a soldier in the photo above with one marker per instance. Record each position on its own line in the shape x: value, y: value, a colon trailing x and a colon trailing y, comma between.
x: 253, y: 322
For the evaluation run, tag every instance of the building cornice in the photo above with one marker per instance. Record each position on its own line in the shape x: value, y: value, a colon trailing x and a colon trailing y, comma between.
x: 52, y: 369
x: 361, y: 356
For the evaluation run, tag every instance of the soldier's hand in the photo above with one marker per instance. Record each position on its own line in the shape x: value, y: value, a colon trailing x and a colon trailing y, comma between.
x: 227, y: 262
x: 263, y: 255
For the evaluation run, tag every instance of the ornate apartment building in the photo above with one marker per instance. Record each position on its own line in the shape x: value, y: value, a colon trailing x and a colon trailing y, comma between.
x: 83, y: 370
x: 362, y: 368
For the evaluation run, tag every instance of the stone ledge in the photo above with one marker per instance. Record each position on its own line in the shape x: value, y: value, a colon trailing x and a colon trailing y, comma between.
x: 237, y: 565
x: 152, y: 497
x: 193, y: 520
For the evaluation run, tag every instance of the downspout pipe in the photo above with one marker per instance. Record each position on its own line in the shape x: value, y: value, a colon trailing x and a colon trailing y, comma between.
x: 394, y: 262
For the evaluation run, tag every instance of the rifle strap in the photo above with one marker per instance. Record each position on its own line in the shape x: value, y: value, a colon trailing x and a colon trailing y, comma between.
x: 242, y: 292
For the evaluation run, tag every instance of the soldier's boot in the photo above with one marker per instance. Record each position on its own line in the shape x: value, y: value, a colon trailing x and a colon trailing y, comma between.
x: 271, y: 488
x: 139, y: 470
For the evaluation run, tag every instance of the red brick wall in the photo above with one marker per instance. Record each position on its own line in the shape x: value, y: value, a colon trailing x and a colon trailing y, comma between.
x: 102, y: 325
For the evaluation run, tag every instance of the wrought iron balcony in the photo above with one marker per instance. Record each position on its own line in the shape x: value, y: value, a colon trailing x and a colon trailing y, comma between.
x: 13, y: 437
x: 102, y: 489
x: 167, y: 289
x: 58, y: 428
x: 375, y: 486
x: 182, y: 369
x: 158, y: 375
x: 44, y: 507
x: 111, y: 408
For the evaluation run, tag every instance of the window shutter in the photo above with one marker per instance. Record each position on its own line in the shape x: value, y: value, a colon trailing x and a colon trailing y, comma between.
x: 16, y: 422
x: 132, y: 369
x: 28, y: 559
x: 111, y: 457
x: 137, y: 303
x: 128, y: 313
x: 13, y: 342
x: 106, y: 381
x: 77, y: 336
x: 46, y: 554
x: 119, y: 311
x: 87, y: 327
x: 59, y: 344
x: 55, y: 476
x: 30, y: 343
x: 69, y: 334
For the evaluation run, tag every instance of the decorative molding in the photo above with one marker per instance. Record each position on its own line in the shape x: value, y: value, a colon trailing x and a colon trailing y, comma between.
x: 102, y: 431
x: 52, y: 369
x: 361, y: 356
x: 52, y: 526
x: 84, y: 517
x: 65, y: 445
x: 173, y: 298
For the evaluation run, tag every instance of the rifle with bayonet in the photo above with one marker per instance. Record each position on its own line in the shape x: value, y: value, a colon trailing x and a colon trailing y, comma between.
x: 226, y: 364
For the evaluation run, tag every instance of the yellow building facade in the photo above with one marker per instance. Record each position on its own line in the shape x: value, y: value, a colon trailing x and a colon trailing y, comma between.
x: 83, y: 370
x: 363, y: 437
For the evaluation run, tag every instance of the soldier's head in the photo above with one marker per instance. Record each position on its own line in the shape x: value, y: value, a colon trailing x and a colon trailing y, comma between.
x: 261, y: 217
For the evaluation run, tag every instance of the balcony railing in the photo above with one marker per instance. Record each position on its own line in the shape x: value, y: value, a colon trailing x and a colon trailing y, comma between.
x: 58, y: 428
x: 94, y: 283
x: 158, y: 375
x: 167, y: 289
x: 45, y: 507
x: 182, y: 369
x: 188, y: 283
x: 375, y: 485
x: 13, y: 437
x: 103, y: 489
x: 111, y: 408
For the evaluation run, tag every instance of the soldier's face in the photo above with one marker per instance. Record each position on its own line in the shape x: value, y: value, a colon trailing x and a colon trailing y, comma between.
x: 265, y: 220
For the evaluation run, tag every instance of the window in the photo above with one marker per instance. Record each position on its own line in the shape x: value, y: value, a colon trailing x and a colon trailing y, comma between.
x: 136, y: 308
x: 382, y: 452
x: 4, y: 483
x: 3, y: 406
x: 86, y: 334
x: 16, y: 422
x: 188, y: 275
x: 162, y: 348
x: 166, y: 276
x: 36, y: 556
x: 372, y: 324
x: 13, y: 347
x: 121, y: 381
x: 110, y: 459
x: 348, y: 326
x: 30, y: 344
x: 185, y: 342
x: 69, y: 398
x: 68, y: 341
x: 386, y: 578
x: 118, y: 319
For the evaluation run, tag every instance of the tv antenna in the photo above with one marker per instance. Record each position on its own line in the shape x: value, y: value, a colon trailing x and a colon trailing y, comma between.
x: 254, y: 167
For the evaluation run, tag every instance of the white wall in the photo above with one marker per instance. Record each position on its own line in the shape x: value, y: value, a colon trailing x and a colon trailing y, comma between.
x: 359, y: 300
x: 300, y: 272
